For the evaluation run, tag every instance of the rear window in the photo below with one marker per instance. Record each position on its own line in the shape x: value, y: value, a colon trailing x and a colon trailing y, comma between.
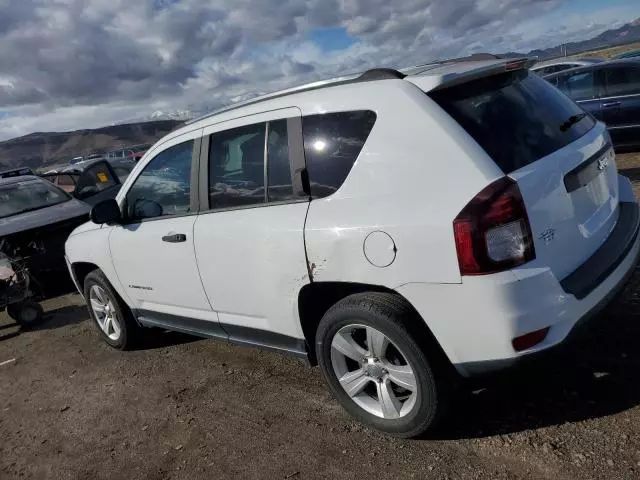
x: 516, y: 117
x: 332, y: 143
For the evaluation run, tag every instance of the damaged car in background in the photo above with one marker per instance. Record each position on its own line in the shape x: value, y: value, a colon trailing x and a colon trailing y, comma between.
x: 36, y: 218
x: 37, y: 214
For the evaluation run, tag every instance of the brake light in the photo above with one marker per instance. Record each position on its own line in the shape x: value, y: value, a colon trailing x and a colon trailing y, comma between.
x: 492, y: 232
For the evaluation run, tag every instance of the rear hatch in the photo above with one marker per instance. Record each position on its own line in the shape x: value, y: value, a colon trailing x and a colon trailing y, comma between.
x: 560, y: 157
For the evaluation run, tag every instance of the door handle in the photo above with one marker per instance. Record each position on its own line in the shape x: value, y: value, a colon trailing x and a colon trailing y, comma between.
x: 611, y: 104
x: 175, y: 238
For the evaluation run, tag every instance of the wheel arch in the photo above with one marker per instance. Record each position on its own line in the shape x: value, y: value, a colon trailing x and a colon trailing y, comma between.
x: 314, y: 299
x: 80, y: 270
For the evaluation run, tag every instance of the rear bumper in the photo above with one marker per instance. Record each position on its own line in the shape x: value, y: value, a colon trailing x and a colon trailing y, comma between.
x: 476, y: 321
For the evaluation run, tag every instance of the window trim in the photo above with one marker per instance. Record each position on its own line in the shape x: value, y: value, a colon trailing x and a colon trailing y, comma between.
x: 297, y: 164
x: 194, y: 201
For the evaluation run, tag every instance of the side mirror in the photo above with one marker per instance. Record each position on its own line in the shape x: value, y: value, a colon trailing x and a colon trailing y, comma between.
x: 106, y: 211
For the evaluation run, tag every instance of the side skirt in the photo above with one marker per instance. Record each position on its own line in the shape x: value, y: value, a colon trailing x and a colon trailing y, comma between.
x: 235, y: 334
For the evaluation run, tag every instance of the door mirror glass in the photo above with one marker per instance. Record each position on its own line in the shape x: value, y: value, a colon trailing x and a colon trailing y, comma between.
x: 107, y: 211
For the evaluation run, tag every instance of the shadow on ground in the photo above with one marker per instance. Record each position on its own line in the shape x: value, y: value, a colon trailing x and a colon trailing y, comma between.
x: 595, y: 375
x: 73, y: 314
x: 153, y: 338
x: 57, y: 318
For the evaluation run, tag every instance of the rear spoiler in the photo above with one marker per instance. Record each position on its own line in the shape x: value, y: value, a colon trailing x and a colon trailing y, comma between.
x: 449, y: 74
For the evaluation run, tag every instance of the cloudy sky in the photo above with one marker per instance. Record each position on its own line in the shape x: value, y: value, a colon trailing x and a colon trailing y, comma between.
x: 67, y: 64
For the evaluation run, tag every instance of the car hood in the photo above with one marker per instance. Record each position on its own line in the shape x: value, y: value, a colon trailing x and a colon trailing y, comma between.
x: 44, y: 216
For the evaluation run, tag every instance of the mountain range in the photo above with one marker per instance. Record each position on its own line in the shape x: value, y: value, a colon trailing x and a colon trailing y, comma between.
x: 628, y: 33
x: 43, y: 149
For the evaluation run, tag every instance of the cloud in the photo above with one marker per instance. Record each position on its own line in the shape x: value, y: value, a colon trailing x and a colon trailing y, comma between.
x: 66, y: 64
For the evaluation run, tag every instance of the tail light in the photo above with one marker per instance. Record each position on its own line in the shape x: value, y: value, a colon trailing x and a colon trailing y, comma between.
x: 492, y: 232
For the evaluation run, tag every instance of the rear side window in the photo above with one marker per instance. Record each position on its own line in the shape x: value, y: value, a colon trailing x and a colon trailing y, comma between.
x: 516, y: 117
x: 236, y: 167
x: 622, y: 81
x: 332, y: 143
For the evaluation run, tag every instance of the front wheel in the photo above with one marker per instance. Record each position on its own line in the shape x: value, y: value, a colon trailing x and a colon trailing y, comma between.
x: 375, y: 367
x: 110, y: 314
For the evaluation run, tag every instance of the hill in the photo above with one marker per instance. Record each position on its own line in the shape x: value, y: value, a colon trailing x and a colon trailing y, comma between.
x: 43, y: 149
x: 628, y: 33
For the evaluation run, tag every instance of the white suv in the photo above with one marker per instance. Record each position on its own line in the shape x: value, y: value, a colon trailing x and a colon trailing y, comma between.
x: 387, y: 227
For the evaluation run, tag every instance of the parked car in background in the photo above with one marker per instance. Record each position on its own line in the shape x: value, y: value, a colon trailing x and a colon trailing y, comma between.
x: 393, y: 228
x: 610, y: 91
x: 560, y: 64
x: 75, y: 160
x: 138, y: 151
x: 36, y: 218
x: 631, y: 54
x: 93, y: 181
x: 65, y: 181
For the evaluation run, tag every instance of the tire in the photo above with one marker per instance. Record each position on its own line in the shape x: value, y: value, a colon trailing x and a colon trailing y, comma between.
x: 357, y: 318
x: 28, y: 314
x: 120, y: 330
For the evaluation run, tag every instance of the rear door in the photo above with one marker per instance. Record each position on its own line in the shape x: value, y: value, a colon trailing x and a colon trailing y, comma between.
x: 561, y: 158
x: 249, y: 236
x: 621, y: 103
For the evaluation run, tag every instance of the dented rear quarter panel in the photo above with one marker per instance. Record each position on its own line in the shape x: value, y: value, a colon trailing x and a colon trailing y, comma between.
x: 416, y: 172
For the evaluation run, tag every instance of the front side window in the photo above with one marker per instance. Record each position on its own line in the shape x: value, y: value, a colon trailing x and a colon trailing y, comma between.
x: 332, y: 143
x: 580, y: 86
x: 25, y: 196
x: 164, y: 186
x: 622, y: 81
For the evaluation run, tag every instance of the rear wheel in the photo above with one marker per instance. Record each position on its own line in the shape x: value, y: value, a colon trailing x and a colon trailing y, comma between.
x: 375, y: 367
x: 110, y: 314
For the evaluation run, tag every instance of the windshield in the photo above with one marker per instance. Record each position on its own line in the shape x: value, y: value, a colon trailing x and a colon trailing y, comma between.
x: 21, y: 197
x: 517, y: 118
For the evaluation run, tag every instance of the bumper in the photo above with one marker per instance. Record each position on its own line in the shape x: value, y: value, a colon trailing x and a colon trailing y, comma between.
x: 476, y: 321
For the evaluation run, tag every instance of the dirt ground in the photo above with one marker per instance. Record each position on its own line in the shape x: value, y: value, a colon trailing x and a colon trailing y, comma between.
x: 186, y: 408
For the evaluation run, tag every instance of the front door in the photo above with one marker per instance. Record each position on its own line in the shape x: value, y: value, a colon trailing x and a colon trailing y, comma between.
x: 153, y: 251
x: 249, y: 238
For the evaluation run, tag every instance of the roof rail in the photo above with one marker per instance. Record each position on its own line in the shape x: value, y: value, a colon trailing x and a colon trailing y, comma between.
x: 371, y: 75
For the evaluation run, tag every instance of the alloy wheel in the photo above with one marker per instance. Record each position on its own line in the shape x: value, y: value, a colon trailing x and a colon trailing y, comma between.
x: 373, y: 371
x: 105, y: 312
